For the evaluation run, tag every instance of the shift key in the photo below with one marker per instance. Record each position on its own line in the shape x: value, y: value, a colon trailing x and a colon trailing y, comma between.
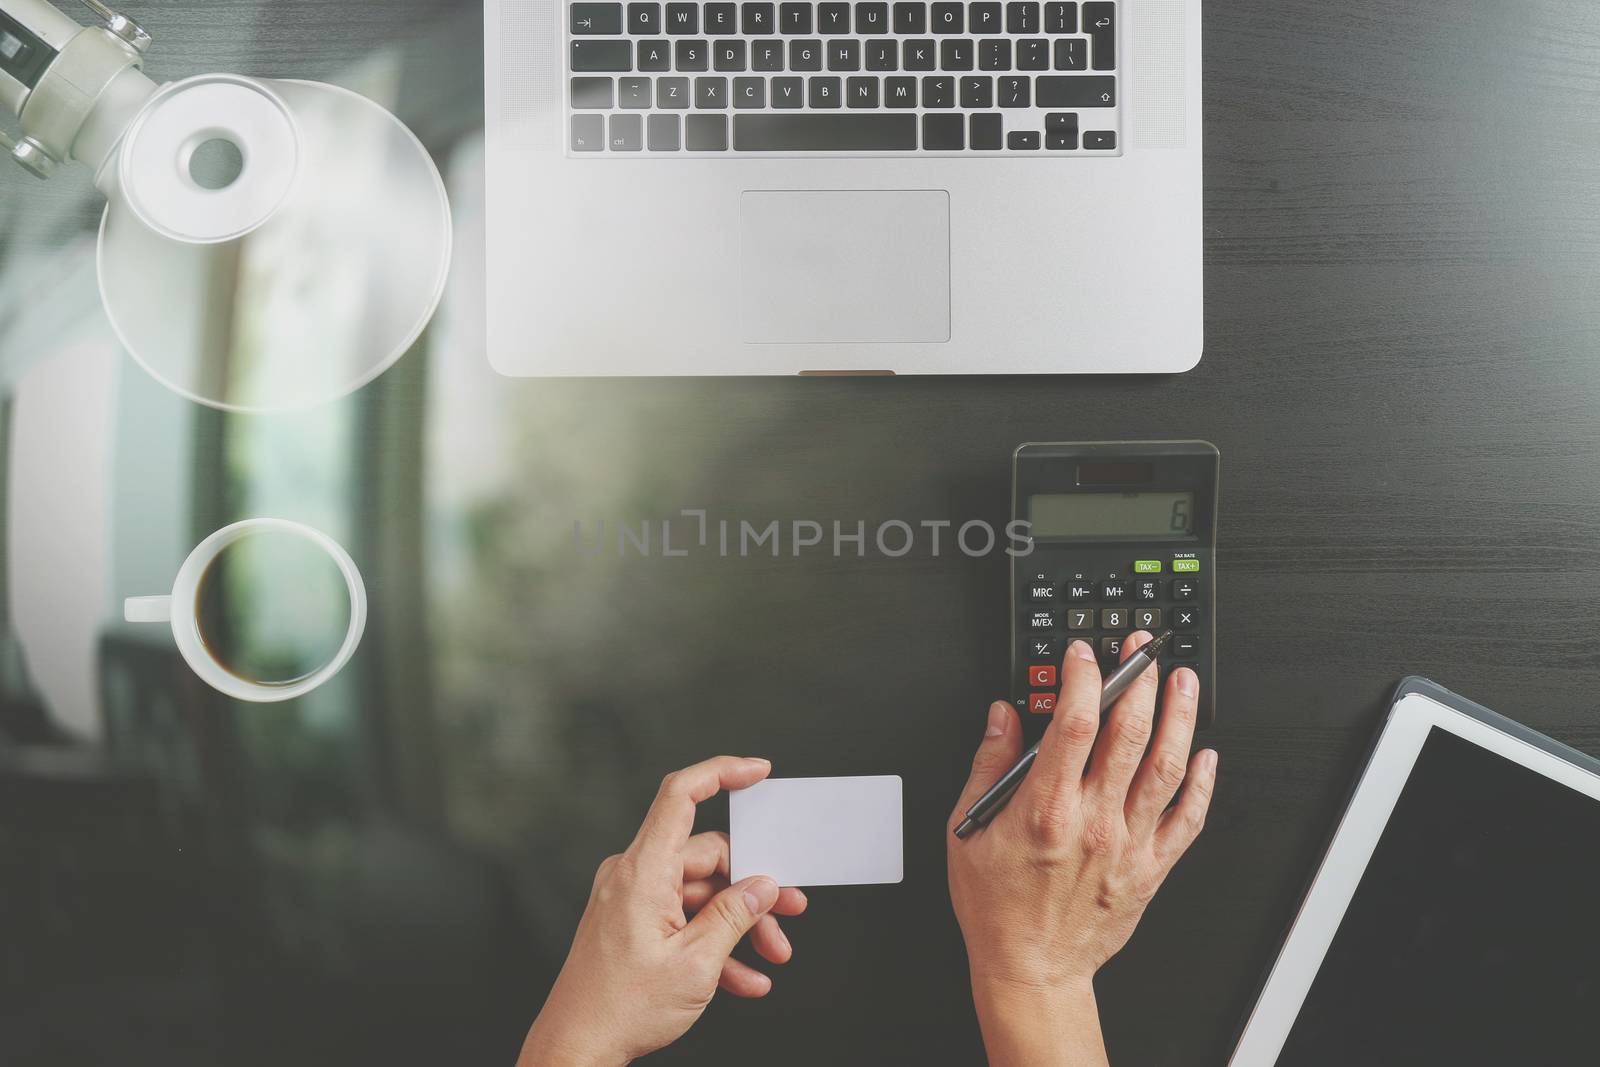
x: 1081, y: 91
x: 602, y: 55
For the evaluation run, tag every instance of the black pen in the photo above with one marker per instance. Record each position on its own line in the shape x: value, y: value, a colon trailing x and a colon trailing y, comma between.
x: 988, y: 806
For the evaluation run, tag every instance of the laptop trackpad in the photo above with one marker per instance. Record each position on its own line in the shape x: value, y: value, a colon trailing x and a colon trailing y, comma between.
x: 845, y: 265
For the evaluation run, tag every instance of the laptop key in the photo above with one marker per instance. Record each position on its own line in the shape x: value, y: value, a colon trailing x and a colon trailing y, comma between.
x: 977, y: 93
x: 672, y: 93
x: 749, y: 92
x: 627, y: 133
x: 919, y: 54
x: 984, y: 135
x: 844, y: 55
x: 822, y: 92
x: 1022, y: 17
x: 788, y: 93
x: 984, y: 17
x: 585, y: 20
x: 683, y: 18
x: 955, y: 55
x: 756, y: 19
x: 766, y: 55
x: 861, y: 92
x: 833, y: 18
x: 1100, y: 23
x: 943, y: 133
x: 589, y: 55
x: 1072, y: 54
x: 661, y: 133
x: 644, y: 19
x: 722, y: 18
x: 633, y: 93
x: 1100, y: 140
x: 1014, y: 92
x: 842, y: 132
x: 947, y: 18
x: 654, y: 56
x: 710, y: 93
x: 591, y: 93
x: 1033, y: 54
x: 882, y: 55
x: 690, y: 55
x: 1060, y: 17
x: 1079, y: 92
x: 1022, y: 140
x: 588, y: 133
x: 900, y: 92
x: 794, y: 18
x: 805, y: 55
x: 705, y: 133
x: 938, y: 92
x: 911, y: 18
x: 872, y: 18
x: 727, y: 55
x: 994, y: 54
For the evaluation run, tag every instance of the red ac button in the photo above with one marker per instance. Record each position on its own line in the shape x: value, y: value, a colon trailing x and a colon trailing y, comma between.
x: 1043, y: 703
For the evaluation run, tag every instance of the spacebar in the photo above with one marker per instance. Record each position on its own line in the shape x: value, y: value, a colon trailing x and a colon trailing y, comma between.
x: 812, y: 132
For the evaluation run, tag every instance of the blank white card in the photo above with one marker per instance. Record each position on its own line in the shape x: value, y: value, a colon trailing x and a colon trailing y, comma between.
x: 818, y: 831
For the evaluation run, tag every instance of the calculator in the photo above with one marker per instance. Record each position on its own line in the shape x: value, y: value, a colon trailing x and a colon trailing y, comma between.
x: 1122, y: 538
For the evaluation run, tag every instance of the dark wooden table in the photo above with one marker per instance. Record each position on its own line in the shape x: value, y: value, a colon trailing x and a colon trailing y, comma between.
x: 1402, y: 373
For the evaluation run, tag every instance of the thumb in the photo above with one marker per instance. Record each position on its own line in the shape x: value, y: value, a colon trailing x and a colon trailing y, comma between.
x: 1000, y: 748
x: 730, y: 915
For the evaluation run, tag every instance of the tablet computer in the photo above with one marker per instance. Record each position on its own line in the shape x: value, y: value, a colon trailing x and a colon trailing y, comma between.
x: 1456, y: 915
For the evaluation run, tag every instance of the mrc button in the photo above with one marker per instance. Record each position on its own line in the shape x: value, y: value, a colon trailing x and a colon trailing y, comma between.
x: 1040, y: 592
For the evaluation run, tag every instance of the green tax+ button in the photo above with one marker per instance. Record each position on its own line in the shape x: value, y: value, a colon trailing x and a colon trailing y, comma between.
x: 1147, y: 566
x: 1185, y: 566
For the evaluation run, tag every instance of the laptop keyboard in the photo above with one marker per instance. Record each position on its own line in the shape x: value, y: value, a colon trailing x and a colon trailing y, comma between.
x: 1007, y: 77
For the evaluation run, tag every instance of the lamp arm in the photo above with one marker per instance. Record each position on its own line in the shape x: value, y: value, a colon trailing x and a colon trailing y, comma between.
x: 73, y: 88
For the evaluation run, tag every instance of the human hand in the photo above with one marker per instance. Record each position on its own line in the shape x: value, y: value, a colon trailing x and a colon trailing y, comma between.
x: 1053, y: 887
x: 640, y: 971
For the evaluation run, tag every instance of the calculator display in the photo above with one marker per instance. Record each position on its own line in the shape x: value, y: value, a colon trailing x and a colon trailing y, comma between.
x: 1110, y: 515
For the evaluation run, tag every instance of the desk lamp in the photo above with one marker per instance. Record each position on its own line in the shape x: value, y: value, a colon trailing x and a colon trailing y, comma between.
x: 265, y: 244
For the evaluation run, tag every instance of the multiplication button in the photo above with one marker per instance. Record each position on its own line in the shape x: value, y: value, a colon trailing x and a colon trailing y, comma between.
x: 1185, y: 617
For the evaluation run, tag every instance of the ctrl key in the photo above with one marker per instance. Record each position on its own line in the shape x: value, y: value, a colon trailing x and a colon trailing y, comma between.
x: 588, y: 133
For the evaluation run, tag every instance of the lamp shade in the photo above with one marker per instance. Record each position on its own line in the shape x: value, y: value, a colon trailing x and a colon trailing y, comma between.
x: 301, y: 272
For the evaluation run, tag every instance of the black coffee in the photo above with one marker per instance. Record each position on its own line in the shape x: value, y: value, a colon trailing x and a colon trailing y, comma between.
x: 273, y: 608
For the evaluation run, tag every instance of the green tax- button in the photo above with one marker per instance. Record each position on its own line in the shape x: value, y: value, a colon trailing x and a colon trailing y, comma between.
x: 1185, y: 566
x: 1147, y: 566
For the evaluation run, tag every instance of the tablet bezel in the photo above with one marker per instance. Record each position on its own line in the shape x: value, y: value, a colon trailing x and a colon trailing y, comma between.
x: 1418, y: 707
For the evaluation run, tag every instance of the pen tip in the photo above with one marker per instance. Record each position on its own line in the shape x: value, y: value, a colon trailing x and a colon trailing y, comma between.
x: 1155, y: 647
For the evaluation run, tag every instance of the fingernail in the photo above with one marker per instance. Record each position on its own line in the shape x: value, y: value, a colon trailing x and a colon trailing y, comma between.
x: 1209, y: 759
x: 1188, y: 682
x: 1136, y: 639
x: 1082, y: 650
x: 759, y: 759
x: 760, y: 895
x: 997, y: 721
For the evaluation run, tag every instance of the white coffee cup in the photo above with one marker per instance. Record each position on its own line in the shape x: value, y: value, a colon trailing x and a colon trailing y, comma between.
x: 180, y: 609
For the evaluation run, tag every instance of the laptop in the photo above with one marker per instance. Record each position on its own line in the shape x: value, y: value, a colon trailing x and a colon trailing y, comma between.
x: 884, y: 186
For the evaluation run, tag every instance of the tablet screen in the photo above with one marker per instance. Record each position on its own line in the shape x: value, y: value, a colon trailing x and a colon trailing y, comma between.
x: 1473, y: 936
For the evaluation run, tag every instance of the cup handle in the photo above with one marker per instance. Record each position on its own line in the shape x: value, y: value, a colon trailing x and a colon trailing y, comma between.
x: 147, y: 609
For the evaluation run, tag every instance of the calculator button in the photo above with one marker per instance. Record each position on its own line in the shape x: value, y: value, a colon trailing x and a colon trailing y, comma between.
x: 1185, y: 566
x: 1041, y: 675
x: 1080, y: 591
x: 1147, y: 590
x: 1186, y: 646
x: 1080, y: 618
x: 1113, y: 591
x: 1147, y: 566
x: 1186, y: 617
x: 1114, y: 619
x: 1042, y: 703
x: 1041, y: 593
x: 1111, y: 648
x: 1042, y: 620
x: 1146, y: 618
x: 1184, y: 589
x: 1043, y: 648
